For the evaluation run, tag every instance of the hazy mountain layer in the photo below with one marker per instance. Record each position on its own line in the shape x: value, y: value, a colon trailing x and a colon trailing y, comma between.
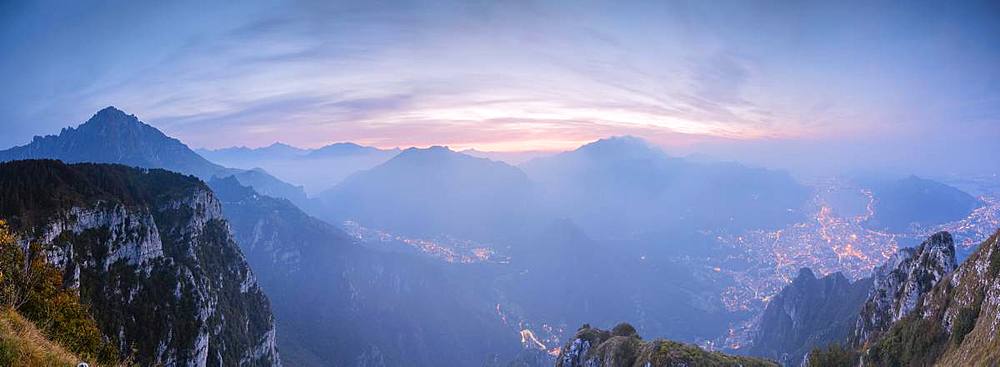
x: 315, y: 169
x: 624, y: 187
x: 341, y: 304
x: 917, y: 201
x: 436, y: 191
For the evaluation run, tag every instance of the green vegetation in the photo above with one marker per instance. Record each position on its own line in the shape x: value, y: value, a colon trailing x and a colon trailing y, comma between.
x: 147, y: 306
x: 670, y: 353
x: 31, y: 191
x: 623, y: 347
x: 912, y: 341
x: 965, y: 321
x: 34, y: 289
x: 834, y: 355
x: 624, y: 329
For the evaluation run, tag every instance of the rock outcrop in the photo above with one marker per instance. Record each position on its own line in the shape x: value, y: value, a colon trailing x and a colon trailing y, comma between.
x: 899, y: 284
x: 622, y: 347
x: 955, y: 324
x: 967, y: 307
x: 152, y: 257
x: 808, y: 313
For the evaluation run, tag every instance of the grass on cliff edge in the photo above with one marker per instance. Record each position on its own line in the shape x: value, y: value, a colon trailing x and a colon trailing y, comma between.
x: 22, y: 344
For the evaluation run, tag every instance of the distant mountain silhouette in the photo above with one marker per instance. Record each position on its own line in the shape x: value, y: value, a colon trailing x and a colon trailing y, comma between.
x: 112, y: 136
x: 300, y: 165
x: 348, y: 149
x: 273, y: 151
x: 915, y: 200
x: 513, y: 158
x: 626, y: 185
x: 433, y: 191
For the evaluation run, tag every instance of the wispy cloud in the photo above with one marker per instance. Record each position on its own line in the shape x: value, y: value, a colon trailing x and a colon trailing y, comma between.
x: 518, y: 75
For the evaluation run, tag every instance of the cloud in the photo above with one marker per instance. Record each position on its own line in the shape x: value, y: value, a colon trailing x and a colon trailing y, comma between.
x: 519, y: 75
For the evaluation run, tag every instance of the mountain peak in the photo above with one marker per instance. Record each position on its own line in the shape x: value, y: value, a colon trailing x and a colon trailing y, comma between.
x: 625, y: 146
x: 110, y: 110
x: 433, y: 151
x: 901, y: 282
x: 343, y: 149
x: 113, y: 136
x: 111, y: 115
x: 805, y: 274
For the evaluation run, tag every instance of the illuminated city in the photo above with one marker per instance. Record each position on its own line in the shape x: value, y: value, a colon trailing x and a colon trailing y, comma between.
x: 445, y: 248
x: 827, y: 243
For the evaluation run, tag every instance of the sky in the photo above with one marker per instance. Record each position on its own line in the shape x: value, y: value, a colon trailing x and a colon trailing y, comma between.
x: 911, y: 86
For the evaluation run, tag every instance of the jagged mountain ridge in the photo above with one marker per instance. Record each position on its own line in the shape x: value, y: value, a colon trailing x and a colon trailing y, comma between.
x: 152, y: 257
x: 901, y: 281
x: 967, y: 305
x: 112, y: 136
x: 808, y: 312
x: 955, y: 324
x: 923, y: 310
x: 811, y: 313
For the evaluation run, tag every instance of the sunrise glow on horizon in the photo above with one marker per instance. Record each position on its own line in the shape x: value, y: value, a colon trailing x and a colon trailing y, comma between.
x: 515, y: 76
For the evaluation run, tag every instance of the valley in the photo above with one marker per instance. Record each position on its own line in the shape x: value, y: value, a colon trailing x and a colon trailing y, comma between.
x: 499, y: 251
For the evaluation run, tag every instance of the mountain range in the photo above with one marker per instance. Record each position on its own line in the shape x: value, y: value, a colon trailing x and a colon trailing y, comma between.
x: 915, y: 201
x: 435, y: 191
x: 627, y: 185
x: 615, y: 230
x: 112, y: 136
x: 337, y: 161
x: 920, y: 309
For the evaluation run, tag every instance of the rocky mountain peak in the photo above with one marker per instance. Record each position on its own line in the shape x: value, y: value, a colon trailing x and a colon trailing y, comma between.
x: 808, y: 312
x: 112, y: 113
x: 150, y: 253
x: 899, y: 284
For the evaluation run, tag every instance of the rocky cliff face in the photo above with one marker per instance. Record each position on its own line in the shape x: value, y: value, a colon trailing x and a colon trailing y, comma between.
x: 112, y: 136
x: 899, y: 284
x: 808, y: 313
x: 955, y: 324
x: 966, y: 305
x: 151, y: 256
x: 622, y: 347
